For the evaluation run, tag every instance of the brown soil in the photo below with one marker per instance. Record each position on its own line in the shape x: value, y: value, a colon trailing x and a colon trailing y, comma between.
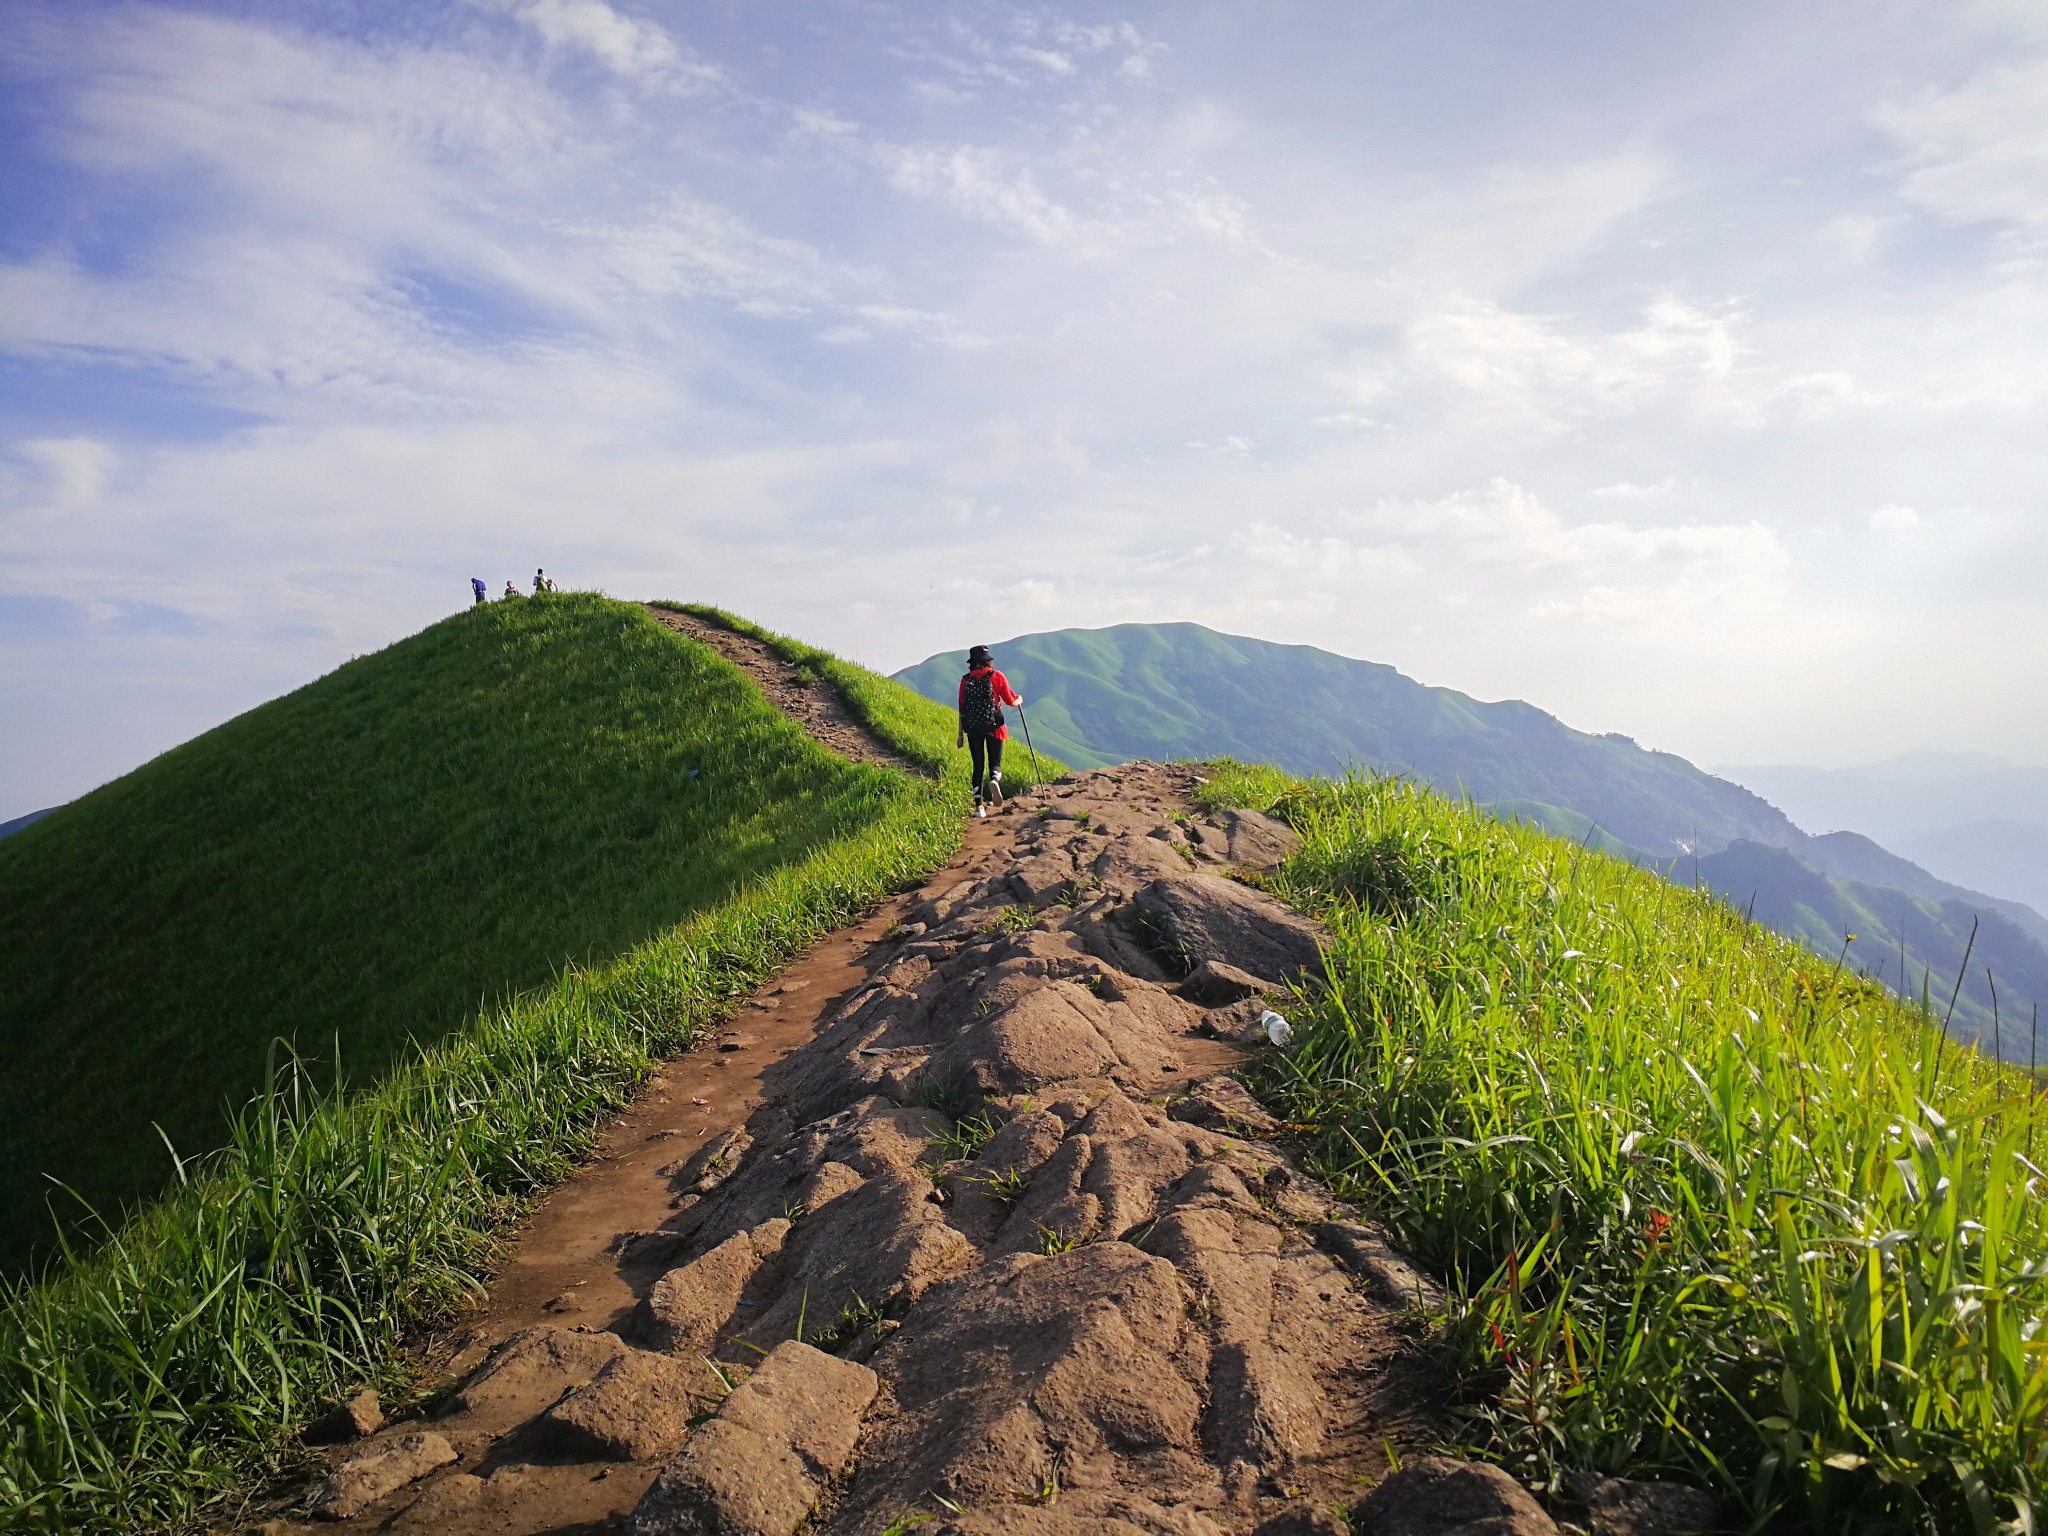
x: 982, y: 1143
x: 809, y: 700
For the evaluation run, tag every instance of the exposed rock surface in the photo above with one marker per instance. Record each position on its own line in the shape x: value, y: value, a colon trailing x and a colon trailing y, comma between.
x: 379, y: 1469
x: 1002, y: 1245
x: 760, y: 1465
x: 1439, y: 1497
x: 1616, y: 1506
x: 638, y: 1408
x: 530, y: 1371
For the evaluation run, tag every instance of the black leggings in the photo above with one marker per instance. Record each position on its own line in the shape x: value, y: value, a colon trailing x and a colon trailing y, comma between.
x: 989, y: 747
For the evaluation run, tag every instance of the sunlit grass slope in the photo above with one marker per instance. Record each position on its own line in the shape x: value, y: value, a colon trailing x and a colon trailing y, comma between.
x: 449, y: 820
x: 1712, y: 1205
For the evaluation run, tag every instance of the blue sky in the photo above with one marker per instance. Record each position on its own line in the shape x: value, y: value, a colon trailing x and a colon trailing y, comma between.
x: 1678, y: 368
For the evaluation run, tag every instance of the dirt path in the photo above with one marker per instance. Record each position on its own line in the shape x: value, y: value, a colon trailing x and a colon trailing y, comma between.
x: 811, y: 701
x: 963, y: 1227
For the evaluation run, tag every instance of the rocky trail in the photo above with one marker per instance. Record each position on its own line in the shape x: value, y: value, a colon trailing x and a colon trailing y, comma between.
x: 962, y: 1226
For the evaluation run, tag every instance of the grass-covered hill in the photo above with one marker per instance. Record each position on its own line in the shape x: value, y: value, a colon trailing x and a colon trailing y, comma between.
x: 366, y: 861
x: 517, y: 787
x: 1100, y: 696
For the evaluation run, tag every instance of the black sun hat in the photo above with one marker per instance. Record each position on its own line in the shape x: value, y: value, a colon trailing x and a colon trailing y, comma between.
x: 978, y: 656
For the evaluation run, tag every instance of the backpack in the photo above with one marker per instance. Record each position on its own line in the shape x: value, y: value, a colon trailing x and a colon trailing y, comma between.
x: 979, y: 713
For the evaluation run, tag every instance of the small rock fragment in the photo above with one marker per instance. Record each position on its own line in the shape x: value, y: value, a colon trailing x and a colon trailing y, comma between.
x: 382, y: 1468
x: 361, y: 1415
x: 1439, y: 1497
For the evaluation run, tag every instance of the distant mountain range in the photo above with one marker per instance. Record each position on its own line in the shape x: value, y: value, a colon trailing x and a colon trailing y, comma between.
x: 22, y: 821
x: 1968, y: 818
x: 1101, y: 696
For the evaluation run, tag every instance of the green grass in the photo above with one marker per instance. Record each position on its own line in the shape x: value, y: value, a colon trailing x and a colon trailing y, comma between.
x: 365, y: 862
x: 1712, y: 1206
x: 143, y: 1381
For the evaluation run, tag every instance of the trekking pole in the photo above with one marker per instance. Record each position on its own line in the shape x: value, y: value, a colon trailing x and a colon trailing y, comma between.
x: 1036, y: 778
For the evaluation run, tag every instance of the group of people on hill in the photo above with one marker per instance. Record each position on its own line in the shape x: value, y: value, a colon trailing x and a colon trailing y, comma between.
x: 541, y: 584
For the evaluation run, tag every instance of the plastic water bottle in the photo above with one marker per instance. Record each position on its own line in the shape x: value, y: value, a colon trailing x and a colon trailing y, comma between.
x: 1278, y: 1030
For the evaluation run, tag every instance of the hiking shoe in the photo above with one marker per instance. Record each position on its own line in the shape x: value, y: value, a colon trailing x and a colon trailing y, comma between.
x: 981, y: 813
x: 995, y: 789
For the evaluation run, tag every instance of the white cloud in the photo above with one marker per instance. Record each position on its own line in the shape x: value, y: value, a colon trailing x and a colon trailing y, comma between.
x: 1894, y: 519
x: 1978, y: 151
x: 1536, y: 368
x: 979, y: 184
x: 626, y: 45
x: 75, y: 470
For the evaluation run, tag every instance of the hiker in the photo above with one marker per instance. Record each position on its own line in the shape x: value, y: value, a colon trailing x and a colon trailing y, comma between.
x: 483, y: 593
x: 512, y: 591
x: 983, y: 692
x: 541, y: 583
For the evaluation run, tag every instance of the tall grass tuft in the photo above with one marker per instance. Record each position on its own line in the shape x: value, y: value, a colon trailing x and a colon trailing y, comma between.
x: 1712, y: 1205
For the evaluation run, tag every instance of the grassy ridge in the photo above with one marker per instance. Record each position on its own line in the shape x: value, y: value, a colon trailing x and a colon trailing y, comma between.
x: 143, y: 1380
x: 1713, y: 1206
x: 359, y: 864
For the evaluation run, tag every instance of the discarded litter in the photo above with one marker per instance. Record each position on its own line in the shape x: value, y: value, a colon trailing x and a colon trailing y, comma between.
x: 1278, y: 1030
x: 695, y: 1100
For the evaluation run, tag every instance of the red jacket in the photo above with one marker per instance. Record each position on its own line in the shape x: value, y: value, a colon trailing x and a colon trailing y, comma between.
x: 999, y: 685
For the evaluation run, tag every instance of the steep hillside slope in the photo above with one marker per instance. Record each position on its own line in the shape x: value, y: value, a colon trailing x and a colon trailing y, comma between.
x: 362, y: 863
x: 1925, y: 938
x: 1182, y: 691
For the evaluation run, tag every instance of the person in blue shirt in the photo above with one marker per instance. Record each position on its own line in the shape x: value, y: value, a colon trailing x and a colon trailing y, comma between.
x: 476, y: 584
